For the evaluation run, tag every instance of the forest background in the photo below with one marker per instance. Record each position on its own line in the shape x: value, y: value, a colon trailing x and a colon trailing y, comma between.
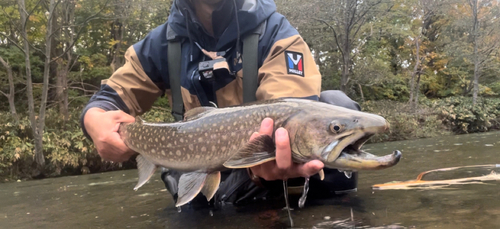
x: 430, y: 67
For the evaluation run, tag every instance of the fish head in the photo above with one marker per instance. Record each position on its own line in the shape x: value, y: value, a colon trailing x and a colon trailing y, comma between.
x: 329, y: 132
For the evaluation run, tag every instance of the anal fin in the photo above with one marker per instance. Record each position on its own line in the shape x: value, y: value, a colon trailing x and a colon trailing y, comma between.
x: 146, y: 169
x: 255, y: 152
x: 211, y: 185
x: 190, y: 184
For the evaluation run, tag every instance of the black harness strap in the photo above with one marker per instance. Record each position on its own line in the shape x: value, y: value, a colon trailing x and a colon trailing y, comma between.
x: 174, y: 72
x: 250, y: 72
x: 250, y: 67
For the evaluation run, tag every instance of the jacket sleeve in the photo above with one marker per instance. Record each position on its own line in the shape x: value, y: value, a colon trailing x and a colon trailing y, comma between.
x: 288, y: 68
x: 135, y: 86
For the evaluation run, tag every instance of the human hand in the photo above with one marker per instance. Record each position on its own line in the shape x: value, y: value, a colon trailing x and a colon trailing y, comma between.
x: 283, y: 167
x: 102, y: 126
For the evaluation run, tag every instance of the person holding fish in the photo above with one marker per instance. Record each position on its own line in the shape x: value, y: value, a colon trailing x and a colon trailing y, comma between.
x: 210, y: 34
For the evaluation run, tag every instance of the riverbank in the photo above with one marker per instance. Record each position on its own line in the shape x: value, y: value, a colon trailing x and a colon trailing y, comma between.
x: 69, y: 152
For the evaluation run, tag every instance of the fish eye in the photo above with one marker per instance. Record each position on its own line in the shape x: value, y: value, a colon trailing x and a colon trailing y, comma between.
x: 335, y: 127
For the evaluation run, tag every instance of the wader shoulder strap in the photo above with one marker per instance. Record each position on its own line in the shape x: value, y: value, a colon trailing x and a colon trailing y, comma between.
x: 250, y: 71
x: 250, y: 67
x: 174, y: 75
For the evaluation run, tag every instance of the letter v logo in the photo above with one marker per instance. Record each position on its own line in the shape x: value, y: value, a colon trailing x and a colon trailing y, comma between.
x: 294, y: 63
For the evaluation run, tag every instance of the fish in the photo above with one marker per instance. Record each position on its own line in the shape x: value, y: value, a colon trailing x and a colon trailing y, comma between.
x: 210, y: 140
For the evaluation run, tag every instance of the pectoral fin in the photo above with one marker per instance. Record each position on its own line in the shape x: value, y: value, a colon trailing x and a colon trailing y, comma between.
x: 321, y: 174
x: 258, y: 151
x: 146, y: 169
x: 190, y: 184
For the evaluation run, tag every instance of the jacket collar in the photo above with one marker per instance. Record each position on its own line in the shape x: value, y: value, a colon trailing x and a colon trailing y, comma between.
x: 251, y: 13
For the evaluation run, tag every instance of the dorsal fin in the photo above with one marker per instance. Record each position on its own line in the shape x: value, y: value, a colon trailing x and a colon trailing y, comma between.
x: 193, y: 113
x: 139, y: 120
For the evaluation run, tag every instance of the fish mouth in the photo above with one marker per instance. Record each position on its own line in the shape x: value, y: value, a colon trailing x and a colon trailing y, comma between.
x: 353, y: 140
x: 346, y: 154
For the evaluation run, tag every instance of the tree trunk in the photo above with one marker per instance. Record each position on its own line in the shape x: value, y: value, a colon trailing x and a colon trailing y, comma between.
x: 417, y: 90
x: 29, y: 85
x: 346, y: 54
x: 61, y: 88
x: 414, y: 90
x: 45, y: 88
x: 361, y: 93
x: 475, y: 90
x: 117, y: 33
x: 11, y: 95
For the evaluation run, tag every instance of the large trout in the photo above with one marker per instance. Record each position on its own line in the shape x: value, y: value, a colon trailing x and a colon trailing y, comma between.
x: 210, y: 140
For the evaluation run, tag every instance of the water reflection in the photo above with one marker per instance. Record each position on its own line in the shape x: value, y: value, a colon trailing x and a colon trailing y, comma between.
x: 108, y: 201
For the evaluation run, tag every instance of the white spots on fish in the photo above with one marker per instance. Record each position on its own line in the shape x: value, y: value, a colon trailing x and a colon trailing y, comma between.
x: 233, y: 134
x: 191, y: 147
x: 200, y: 139
x: 190, y: 136
x: 140, y: 137
x: 197, y: 156
x: 181, y: 140
x: 221, y: 128
x: 213, y: 148
x: 163, y: 152
x: 153, y: 151
x: 169, y: 145
x: 178, y: 152
x: 163, y: 138
x: 224, y: 137
x: 170, y: 153
x: 156, y: 140
x: 203, y: 149
x: 235, y: 123
x: 223, y: 148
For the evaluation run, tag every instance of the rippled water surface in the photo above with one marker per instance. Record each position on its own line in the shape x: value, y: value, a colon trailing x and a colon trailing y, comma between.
x: 108, y: 201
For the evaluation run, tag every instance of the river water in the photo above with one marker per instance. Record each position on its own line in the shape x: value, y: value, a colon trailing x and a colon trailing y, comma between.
x: 107, y: 200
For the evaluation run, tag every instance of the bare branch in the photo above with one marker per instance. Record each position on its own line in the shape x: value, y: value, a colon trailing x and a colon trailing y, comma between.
x: 334, y: 34
x: 92, y: 17
x: 14, y: 43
